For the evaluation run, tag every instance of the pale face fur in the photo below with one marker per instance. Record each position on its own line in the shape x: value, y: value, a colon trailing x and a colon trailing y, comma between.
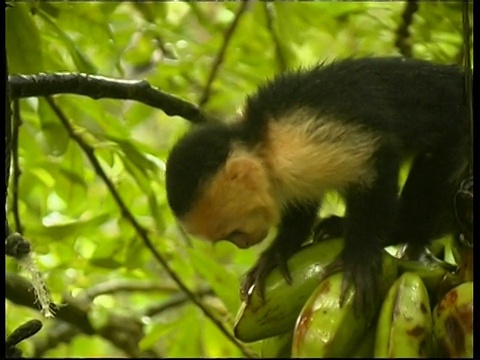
x: 299, y: 160
x: 237, y: 205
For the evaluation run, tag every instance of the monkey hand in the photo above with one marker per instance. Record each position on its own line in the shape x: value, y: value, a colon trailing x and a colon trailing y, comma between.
x: 274, y: 256
x: 329, y: 228
x: 424, y: 256
x: 361, y: 270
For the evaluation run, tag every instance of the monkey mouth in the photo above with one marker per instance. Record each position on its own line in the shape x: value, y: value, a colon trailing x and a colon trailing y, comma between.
x: 253, y: 241
x: 245, y: 245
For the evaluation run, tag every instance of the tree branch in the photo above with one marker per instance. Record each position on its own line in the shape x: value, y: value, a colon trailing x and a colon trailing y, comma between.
x: 221, y: 53
x: 72, y: 316
x: 21, y: 333
x: 141, y: 231
x: 63, y: 332
x: 59, y: 332
x: 174, y: 301
x: 97, y: 87
x: 21, y: 292
x: 122, y: 332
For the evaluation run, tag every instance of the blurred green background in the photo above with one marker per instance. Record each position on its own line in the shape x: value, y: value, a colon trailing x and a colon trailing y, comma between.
x: 83, y: 246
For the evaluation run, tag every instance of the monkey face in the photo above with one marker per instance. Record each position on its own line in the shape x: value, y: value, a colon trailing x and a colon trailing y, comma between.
x: 235, y: 205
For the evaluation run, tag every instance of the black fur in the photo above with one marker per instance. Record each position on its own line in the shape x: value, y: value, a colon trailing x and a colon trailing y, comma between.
x: 192, y: 161
x: 410, y: 98
x: 415, y: 106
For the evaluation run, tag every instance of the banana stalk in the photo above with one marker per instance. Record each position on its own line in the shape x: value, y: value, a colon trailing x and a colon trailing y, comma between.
x: 453, y: 322
x: 404, y: 327
x: 431, y: 274
x: 324, y: 329
x: 283, y: 302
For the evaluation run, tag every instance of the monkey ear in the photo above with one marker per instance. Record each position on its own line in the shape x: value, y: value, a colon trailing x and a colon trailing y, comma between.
x: 243, y: 169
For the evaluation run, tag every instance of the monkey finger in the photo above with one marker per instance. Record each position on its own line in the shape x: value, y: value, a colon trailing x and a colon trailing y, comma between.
x: 247, y: 288
x: 283, y: 266
x: 334, y: 267
x: 248, y: 284
x: 255, y: 278
x: 346, y: 283
x: 366, y: 290
x: 328, y: 228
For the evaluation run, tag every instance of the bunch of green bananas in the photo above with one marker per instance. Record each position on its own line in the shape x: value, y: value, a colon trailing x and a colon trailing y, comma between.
x: 304, y: 319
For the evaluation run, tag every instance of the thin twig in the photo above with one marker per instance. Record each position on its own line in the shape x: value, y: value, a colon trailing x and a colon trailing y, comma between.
x: 63, y: 332
x: 75, y: 311
x: 20, y: 291
x: 149, y: 17
x: 174, y: 301
x: 403, y: 41
x: 21, y: 333
x: 270, y: 16
x: 141, y: 231
x: 17, y: 121
x: 97, y: 87
x: 8, y: 139
x: 114, y: 286
x: 221, y: 53
x: 59, y: 332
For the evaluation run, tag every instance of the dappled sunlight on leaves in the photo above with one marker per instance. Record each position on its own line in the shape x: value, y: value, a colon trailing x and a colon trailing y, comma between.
x: 81, y: 238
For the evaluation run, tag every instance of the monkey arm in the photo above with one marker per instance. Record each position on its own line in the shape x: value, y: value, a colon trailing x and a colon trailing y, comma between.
x: 295, y: 226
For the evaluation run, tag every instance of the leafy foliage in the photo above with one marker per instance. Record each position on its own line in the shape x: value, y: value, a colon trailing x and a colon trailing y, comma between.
x: 83, y: 244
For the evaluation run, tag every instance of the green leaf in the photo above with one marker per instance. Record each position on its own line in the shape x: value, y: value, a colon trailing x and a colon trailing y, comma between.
x: 81, y: 60
x: 136, y: 254
x: 108, y: 254
x: 152, y: 11
x: 23, y: 41
x: 55, y: 136
x: 79, y: 236
x: 106, y: 262
x: 187, y: 345
x: 221, y: 281
x: 73, y: 177
x: 72, y: 227
x: 137, y: 174
x: 156, y: 212
x: 156, y: 332
x: 136, y: 157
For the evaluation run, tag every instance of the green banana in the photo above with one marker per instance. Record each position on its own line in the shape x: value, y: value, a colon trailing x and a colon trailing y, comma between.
x: 324, y: 329
x: 283, y: 302
x: 277, y: 346
x: 437, y: 246
x: 453, y: 322
x: 431, y: 274
x: 404, y: 327
x: 462, y: 255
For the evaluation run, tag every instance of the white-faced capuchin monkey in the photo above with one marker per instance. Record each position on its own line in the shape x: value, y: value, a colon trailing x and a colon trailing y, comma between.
x: 346, y: 126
